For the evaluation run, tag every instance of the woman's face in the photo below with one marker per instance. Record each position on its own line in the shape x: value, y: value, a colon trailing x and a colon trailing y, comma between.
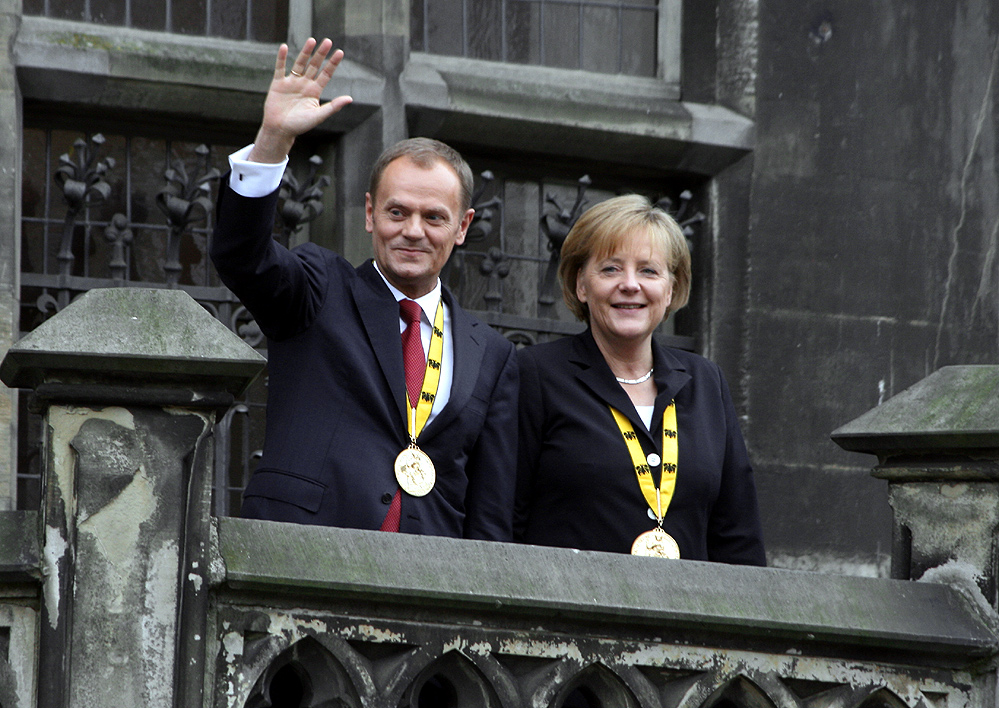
x: 627, y: 292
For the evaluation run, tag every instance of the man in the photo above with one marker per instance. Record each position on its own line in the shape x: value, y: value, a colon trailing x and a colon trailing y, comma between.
x: 356, y: 436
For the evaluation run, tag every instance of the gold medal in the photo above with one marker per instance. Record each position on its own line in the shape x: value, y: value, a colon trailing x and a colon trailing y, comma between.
x: 656, y: 543
x: 414, y: 471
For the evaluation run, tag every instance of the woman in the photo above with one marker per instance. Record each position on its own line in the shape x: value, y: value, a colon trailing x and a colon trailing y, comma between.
x: 597, y: 429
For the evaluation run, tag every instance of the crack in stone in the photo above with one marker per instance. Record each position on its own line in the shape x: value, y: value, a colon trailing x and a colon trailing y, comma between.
x: 952, y: 261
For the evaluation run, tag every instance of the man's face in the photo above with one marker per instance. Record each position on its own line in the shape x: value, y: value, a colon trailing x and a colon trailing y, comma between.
x: 415, y: 220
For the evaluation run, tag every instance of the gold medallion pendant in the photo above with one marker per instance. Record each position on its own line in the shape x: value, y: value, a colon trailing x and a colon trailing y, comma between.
x: 414, y: 471
x: 656, y: 543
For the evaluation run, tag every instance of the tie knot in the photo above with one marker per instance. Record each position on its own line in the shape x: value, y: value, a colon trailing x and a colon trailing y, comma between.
x: 410, y: 311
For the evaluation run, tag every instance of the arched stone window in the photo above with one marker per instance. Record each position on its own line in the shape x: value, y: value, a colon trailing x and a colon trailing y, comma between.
x: 883, y: 698
x: 596, y: 686
x: 740, y: 692
x: 452, y: 681
x: 306, y: 675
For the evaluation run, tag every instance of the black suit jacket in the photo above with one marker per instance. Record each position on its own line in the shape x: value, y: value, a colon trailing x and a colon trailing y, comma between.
x: 576, y: 484
x: 336, y: 392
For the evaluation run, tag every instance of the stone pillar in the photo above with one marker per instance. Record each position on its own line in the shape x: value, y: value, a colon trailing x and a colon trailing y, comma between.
x: 11, y: 135
x: 130, y: 382
x: 937, y: 444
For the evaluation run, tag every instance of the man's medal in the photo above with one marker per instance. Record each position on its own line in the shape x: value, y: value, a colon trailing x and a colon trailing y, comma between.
x: 414, y: 470
x: 657, y: 542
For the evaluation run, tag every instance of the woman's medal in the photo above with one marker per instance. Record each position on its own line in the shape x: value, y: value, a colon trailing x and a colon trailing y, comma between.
x: 656, y: 543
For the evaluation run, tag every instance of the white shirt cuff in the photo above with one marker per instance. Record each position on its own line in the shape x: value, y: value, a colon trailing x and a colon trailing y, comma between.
x: 254, y: 179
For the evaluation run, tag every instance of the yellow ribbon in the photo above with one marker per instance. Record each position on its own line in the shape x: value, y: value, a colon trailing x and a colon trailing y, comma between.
x: 659, y: 498
x: 431, y: 378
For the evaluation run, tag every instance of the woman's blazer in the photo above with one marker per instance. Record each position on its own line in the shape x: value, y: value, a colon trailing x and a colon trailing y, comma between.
x: 576, y: 484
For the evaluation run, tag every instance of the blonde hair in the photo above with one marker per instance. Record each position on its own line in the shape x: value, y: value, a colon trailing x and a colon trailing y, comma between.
x: 610, y: 225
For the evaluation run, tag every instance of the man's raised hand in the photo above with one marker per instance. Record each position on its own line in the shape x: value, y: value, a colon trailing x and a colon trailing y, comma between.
x: 293, y: 106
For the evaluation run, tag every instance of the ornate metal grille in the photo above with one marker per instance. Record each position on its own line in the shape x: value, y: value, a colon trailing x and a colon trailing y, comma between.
x: 137, y: 211
x: 258, y: 20
x: 506, y: 271
x: 606, y: 36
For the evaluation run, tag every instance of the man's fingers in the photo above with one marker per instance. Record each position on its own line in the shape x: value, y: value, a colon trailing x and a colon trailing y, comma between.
x: 339, y: 102
x: 302, y: 60
x: 315, y: 63
x: 282, y: 57
x: 332, y: 65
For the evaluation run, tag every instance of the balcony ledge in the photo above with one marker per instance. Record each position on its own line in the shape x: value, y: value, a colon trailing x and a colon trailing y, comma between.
x: 498, y: 583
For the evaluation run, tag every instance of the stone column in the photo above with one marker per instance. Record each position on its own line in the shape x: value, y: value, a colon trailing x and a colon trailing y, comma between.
x: 11, y: 136
x: 130, y: 382
x: 937, y: 444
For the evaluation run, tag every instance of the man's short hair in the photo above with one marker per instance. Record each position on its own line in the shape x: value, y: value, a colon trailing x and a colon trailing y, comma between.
x: 425, y: 152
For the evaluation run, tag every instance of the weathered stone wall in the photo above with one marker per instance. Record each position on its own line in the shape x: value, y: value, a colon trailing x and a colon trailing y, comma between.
x: 874, y: 220
x: 20, y: 585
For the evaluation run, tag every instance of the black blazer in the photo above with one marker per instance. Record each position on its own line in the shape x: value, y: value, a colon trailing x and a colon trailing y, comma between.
x: 336, y: 392
x: 576, y: 486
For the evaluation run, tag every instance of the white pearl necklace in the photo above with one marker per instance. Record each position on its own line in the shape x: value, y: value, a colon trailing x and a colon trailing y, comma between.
x: 640, y: 379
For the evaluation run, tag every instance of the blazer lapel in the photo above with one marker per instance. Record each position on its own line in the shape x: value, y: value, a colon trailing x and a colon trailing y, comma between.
x: 596, y: 375
x: 379, y: 314
x: 670, y: 376
x: 467, y: 351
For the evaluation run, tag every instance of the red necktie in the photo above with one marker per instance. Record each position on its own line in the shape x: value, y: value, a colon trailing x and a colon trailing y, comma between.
x: 413, y: 356
x: 416, y: 366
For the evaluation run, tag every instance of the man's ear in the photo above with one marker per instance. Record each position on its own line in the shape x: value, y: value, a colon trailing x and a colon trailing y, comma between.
x: 369, y: 208
x: 466, y: 221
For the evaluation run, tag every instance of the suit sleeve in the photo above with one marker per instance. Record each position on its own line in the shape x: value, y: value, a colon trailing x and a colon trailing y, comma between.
x: 529, y: 442
x: 492, y: 462
x: 734, y: 530
x: 281, y: 289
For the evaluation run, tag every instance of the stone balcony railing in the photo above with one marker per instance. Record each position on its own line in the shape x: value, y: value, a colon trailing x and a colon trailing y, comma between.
x: 123, y: 590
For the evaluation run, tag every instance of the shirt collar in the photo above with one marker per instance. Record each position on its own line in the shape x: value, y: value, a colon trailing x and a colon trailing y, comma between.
x: 428, y: 302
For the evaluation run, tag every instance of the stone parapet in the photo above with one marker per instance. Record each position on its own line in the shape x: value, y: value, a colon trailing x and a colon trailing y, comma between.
x: 377, y: 618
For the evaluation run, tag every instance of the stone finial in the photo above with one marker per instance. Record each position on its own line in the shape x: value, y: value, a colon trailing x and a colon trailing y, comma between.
x: 955, y: 409
x: 133, y: 336
x: 937, y: 445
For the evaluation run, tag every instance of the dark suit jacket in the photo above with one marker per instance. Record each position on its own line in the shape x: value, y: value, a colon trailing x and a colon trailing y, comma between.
x: 576, y: 485
x: 336, y: 392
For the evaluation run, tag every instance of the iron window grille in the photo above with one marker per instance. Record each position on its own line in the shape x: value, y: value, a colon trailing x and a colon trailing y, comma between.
x: 144, y: 219
x: 133, y: 230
